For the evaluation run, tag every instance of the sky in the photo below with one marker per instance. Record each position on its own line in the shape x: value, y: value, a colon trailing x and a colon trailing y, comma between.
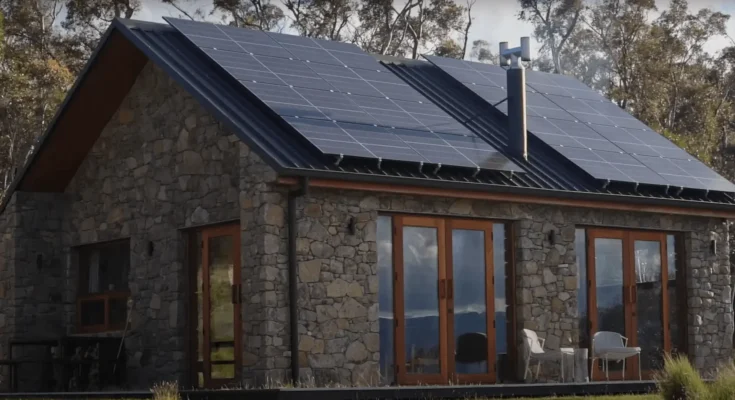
x: 494, y: 20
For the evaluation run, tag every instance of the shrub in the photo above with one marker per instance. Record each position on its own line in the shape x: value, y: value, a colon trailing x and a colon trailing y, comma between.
x: 724, y: 387
x: 166, y: 391
x: 680, y: 381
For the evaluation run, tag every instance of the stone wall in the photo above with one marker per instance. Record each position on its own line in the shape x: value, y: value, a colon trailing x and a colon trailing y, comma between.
x: 31, y: 269
x: 161, y: 164
x: 338, y: 276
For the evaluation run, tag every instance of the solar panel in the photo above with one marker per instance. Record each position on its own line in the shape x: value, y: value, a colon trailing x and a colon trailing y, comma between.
x: 588, y: 129
x: 341, y: 99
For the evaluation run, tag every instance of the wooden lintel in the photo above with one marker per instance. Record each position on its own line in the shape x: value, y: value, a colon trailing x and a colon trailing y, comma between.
x: 507, y: 197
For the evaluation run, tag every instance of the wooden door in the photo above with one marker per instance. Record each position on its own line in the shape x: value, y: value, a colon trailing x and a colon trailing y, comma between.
x: 628, y: 295
x: 420, y: 300
x: 471, y: 301
x: 217, y: 300
x: 444, y: 300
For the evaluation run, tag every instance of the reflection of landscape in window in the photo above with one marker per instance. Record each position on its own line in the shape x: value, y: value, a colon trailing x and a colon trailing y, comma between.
x: 609, y: 285
x: 580, y: 247
x: 501, y: 312
x: 221, y: 317
x: 385, y: 296
x: 420, y: 317
x: 421, y: 303
x: 470, y: 310
x: 648, y: 303
x: 671, y: 260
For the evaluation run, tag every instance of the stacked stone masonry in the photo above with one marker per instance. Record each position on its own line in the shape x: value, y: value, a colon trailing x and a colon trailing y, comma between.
x: 164, y: 164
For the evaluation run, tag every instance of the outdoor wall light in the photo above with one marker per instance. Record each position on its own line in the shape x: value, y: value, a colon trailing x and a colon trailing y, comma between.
x: 552, y: 237
x: 150, y: 248
x: 351, y: 226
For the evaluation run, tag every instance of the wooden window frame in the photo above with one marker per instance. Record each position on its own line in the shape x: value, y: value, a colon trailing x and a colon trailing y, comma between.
x: 106, y: 297
x: 103, y: 296
x: 444, y: 226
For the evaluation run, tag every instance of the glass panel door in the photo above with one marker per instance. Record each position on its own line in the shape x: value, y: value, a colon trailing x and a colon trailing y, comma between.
x: 470, y: 296
x: 627, y: 295
x: 217, y: 294
x: 420, y: 300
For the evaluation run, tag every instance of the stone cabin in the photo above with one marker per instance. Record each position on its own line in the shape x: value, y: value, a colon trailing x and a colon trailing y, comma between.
x: 169, y: 207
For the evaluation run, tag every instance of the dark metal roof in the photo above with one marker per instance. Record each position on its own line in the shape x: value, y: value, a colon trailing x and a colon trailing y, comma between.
x: 547, y: 173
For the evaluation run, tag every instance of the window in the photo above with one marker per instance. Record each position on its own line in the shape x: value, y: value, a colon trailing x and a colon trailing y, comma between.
x: 103, y: 286
x: 443, y: 290
x: 630, y: 282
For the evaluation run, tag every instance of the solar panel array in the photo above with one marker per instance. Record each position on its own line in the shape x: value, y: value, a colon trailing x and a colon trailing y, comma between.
x: 590, y: 130
x: 341, y: 99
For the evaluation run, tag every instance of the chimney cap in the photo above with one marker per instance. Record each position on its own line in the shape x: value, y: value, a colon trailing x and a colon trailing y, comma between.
x: 523, y: 51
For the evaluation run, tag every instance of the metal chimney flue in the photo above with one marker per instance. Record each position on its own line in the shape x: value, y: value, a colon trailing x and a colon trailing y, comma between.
x: 516, y: 86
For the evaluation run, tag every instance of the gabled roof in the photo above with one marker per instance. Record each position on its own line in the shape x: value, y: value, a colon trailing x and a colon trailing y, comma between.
x: 128, y: 45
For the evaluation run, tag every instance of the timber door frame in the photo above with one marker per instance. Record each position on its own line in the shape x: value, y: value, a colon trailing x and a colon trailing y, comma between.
x: 204, y: 234
x: 630, y: 295
x: 444, y: 227
x: 486, y: 227
x: 400, y: 221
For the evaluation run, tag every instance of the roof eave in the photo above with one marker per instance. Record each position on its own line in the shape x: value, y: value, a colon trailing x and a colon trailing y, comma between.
x: 723, y: 210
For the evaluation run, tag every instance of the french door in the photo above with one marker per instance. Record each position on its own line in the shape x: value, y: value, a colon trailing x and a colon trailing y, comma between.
x: 215, y: 277
x: 444, y: 300
x: 628, y: 284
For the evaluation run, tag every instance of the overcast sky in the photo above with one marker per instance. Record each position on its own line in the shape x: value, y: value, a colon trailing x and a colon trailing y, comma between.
x: 494, y: 20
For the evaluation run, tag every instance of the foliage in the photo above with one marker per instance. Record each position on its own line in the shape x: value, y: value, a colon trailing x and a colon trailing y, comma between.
x: 166, y: 391
x: 654, y: 66
x: 256, y: 14
x: 723, y: 388
x: 680, y: 381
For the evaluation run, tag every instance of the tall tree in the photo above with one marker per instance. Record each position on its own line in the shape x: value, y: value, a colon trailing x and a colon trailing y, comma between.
x: 554, y: 23
x: 326, y: 19
x: 254, y: 14
x: 34, y: 76
x: 87, y: 20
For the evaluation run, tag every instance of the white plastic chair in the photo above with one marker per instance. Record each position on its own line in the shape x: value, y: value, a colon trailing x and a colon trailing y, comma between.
x: 612, y: 346
x: 535, y: 350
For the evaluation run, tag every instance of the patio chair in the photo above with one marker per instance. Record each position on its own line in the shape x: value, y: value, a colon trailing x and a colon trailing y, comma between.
x: 534, y: 347
x: 612, y: 346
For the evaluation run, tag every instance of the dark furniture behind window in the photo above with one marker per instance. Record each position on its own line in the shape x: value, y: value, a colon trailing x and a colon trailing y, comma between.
x: 103, y: 286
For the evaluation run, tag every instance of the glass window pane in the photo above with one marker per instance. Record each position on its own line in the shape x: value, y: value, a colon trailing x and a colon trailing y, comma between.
x: 421, y: 302
x: 580, y: 247
x: 674, y: 322
x: 223, y: 371
x: 92, y: 312
x: 385, y: 297
x: 609, y: 285
x: 649, y: 303
x: 118, y: 312
x: 104, y: 267
x: 470, y: 301
x: 501, y: 303
x: 222, y: 328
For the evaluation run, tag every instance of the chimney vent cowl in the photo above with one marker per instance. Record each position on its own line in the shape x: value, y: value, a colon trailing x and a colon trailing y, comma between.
x: 516, y: 86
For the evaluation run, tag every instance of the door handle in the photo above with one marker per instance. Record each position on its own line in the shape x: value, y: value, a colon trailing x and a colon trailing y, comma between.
x: 236, y: 294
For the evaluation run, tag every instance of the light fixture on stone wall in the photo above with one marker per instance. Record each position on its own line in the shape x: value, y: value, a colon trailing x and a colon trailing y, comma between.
x: 351, y: 226
x: 552, y: 237
x: 713, y: 243
x: 150, y: 248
